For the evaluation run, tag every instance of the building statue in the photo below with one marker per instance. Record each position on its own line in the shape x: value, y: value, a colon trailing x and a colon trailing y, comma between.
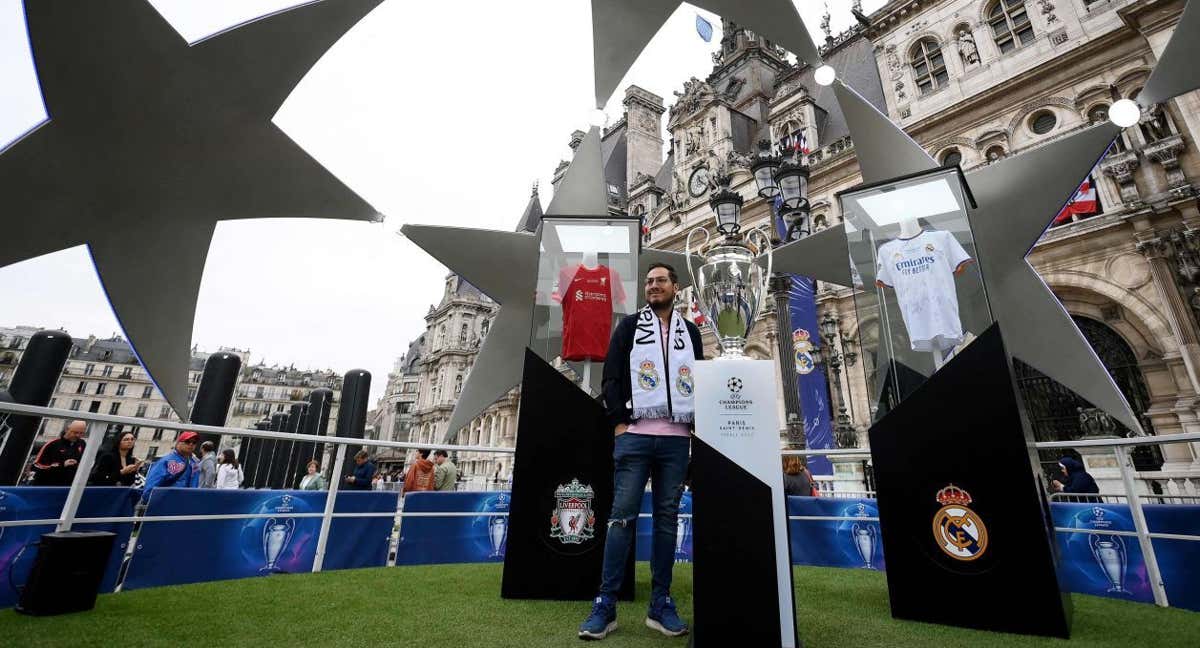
x: 967, y: 48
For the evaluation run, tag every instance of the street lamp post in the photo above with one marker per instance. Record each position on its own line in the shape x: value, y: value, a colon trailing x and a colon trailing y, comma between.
x: 838, y: 351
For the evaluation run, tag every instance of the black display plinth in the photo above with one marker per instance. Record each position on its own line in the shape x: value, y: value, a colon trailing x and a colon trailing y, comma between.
x: 735, y: 594
x: 562, y: 492
x: 963, y: 514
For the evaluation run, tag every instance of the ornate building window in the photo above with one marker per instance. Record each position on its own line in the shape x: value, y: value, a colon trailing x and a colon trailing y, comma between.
x: 995, y: 154
x: 464, y: 334
x: 929, y: 67
x: 458, y: 382
x: 952, y: 156
x: 1042, y: 122
x: 1011, y: 28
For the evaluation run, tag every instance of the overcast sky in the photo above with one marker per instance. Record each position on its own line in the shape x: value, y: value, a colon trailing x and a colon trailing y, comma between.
x: 439, y: 113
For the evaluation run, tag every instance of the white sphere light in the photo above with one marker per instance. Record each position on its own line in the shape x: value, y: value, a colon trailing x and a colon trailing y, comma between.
x: 598, y: 119
x: 1124, y: 113
x: 824, y: 75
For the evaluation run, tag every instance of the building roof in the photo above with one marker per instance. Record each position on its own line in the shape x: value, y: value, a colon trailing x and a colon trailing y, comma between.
x: 533, y: 213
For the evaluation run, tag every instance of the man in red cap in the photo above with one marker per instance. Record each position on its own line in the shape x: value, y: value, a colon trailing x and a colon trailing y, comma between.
x: 178, y: 469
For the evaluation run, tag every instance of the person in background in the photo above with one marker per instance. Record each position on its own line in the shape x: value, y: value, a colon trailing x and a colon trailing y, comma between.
x: 796, y: 478
x: 229, y: 472
x: 177, y: 468
x: 364, y: 470
x: 117, y: 466
x: 1074, y: 478
x: 313, y: 479
x: 58, y: 460
x: 420, y: 473
x: 445, y: 473
x: 208, y: 465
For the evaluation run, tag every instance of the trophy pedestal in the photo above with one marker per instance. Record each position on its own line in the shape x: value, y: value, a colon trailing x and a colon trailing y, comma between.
x: 562, y: 492
x: 742, y: 573
x: 965, y: 523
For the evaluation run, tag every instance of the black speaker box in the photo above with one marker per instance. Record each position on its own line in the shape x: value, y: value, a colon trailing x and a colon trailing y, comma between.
x: 66, y: 573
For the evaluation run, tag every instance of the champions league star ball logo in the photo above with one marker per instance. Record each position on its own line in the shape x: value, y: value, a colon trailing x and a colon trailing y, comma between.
x: 685, y: 383
x: 647, y: 376
x: 573, y: 521
x: 803, y: 348
x: 958, y: 531
x: 734, y: 385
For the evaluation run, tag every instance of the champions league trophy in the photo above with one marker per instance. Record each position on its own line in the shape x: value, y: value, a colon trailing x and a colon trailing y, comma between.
x: 864, y: 541
x: 498, y: 533
x: 1109, y: 552
x: 276, y: 536
x: 731, y: 287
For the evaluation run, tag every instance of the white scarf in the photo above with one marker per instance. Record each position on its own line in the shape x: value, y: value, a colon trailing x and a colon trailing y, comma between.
x: 651, y: 398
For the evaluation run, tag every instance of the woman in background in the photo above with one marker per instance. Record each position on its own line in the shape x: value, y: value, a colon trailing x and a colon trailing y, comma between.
x: 229, y: 473
x: 116, y: 465
x: 314, y: 480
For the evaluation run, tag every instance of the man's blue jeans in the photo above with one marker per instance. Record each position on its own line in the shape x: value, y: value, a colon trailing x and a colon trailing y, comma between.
x: 664, y: 461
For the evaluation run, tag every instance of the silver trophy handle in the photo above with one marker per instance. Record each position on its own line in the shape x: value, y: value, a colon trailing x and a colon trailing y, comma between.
x: 765, y: 250
x: 687, y: 252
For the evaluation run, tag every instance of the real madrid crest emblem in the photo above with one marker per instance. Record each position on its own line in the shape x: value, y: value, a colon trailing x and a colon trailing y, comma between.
x: 803, y: 348
x: 685, y: 382
x: 573, y: 520
x: 958, y: 531
x: 929, y: 247
x: 647, y: 376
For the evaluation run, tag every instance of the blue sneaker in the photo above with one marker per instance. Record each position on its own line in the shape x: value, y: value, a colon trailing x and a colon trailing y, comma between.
x: 601, y: 621
x: 662, y: 617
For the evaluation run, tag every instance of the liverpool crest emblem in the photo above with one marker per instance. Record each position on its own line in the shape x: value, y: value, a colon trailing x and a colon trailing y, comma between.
x: 573, y: 521
x: 958, y: 530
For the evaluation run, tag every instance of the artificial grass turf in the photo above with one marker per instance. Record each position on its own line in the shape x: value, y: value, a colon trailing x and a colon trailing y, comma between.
x: 457, y: 606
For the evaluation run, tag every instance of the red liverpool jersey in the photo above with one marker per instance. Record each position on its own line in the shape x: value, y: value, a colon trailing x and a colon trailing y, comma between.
x: 587, y: 296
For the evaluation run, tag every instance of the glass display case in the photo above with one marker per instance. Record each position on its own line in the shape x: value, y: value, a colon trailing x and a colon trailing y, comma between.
x: 918, y: 280
x: 587, y: 279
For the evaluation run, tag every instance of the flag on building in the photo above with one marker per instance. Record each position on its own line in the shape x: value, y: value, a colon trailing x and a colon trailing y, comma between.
x: 704, y: 28
x: 795, y: 142
x: 1085, y: 202
x: 694, y: 312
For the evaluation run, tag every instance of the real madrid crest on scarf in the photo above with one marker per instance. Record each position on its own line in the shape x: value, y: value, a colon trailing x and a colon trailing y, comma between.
x: 573, y: 520
x: 685, y: 383
x: 647, y: 376
x: 958, y: 531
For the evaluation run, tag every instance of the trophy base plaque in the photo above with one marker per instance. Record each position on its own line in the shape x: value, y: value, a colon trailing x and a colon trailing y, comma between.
x: 742, y: 572
x: 964, y: 519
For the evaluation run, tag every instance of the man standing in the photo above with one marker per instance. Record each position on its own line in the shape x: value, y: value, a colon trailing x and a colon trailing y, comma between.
x: 648, y: 386
x: 364, y: 470
x: 208, y: 465
x: 445, y: 473
x: 58, y: 460
x: 178, y: 468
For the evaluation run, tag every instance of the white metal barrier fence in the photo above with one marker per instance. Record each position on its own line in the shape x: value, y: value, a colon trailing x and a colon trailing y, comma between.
x: 95, y: 435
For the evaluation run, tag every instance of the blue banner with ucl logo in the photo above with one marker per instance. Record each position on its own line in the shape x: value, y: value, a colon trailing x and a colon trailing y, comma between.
x: 174, y: 552
x: 810, y: 379
x: 18, y: 544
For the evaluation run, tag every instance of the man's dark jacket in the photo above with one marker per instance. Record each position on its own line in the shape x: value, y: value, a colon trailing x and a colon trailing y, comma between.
x: 618, y: 393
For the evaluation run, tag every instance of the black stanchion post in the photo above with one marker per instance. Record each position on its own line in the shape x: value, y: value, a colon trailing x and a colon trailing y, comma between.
x: 33, y: 384
x: 215, y: 393
x: 320, y: 402
x: 295, y: 426
x: 249, y: 453
x: 352, y: 417
x: 266, y: 458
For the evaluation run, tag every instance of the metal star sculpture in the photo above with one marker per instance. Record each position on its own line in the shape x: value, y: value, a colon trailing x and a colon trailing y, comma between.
x: 478, y: 256
x: 1017, y: 197
x: 151, y: 141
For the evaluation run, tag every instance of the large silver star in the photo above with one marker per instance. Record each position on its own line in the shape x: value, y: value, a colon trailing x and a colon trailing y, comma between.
x: 621, y: 29
x: 504, y: 266
x: 150, y: 142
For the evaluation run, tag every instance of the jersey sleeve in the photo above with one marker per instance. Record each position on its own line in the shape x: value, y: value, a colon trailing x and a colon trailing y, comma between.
x: 883, y: 269
x: 955, y: 254
x: 565, y: 274
x: 618, y: 287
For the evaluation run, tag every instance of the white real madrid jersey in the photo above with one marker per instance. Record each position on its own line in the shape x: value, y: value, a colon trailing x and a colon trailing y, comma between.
x: 921, y: 269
